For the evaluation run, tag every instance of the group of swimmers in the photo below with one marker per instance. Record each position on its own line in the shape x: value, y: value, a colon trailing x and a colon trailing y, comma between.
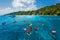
x: 4, y: 23
x: 28, y: 31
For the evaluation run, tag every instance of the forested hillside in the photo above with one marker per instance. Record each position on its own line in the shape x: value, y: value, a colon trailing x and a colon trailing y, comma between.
x: 48, y: 10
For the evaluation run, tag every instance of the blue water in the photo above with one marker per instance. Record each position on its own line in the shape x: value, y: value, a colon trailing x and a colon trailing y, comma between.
x: 15, y: 31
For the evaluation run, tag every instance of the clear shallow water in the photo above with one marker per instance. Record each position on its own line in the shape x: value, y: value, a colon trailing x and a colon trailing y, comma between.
x: 15, y: 30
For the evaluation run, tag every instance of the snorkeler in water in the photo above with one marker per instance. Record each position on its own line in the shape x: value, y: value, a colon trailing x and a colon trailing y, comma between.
x: 28, y: 32
x: 3, y: 23
x: 54, y: 34
x: 36, y: 28
x: 30, y: 24
x: 14, y: 22
x: 30, y: 28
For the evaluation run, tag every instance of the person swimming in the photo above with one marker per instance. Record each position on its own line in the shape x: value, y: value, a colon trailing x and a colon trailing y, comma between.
x: 54, y: 34
x: 3, y: 23
x: 30, y: 24
x: 30, y: 28
x: 36, y: 28
x: 12, y: 16
x: 27, y: 31
x: 14, y: 22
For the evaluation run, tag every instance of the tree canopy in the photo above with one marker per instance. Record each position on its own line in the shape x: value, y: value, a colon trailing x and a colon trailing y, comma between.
x: 48, y: 10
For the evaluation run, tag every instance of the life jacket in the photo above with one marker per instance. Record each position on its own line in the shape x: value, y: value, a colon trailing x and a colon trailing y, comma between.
x: 27, y: 31
x: 30, y: 28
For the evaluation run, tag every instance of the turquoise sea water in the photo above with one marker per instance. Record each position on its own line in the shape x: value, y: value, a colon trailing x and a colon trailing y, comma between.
x: 13, y: 29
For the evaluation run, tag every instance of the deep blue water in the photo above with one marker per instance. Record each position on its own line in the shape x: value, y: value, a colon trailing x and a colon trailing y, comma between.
x: 15, y: 31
